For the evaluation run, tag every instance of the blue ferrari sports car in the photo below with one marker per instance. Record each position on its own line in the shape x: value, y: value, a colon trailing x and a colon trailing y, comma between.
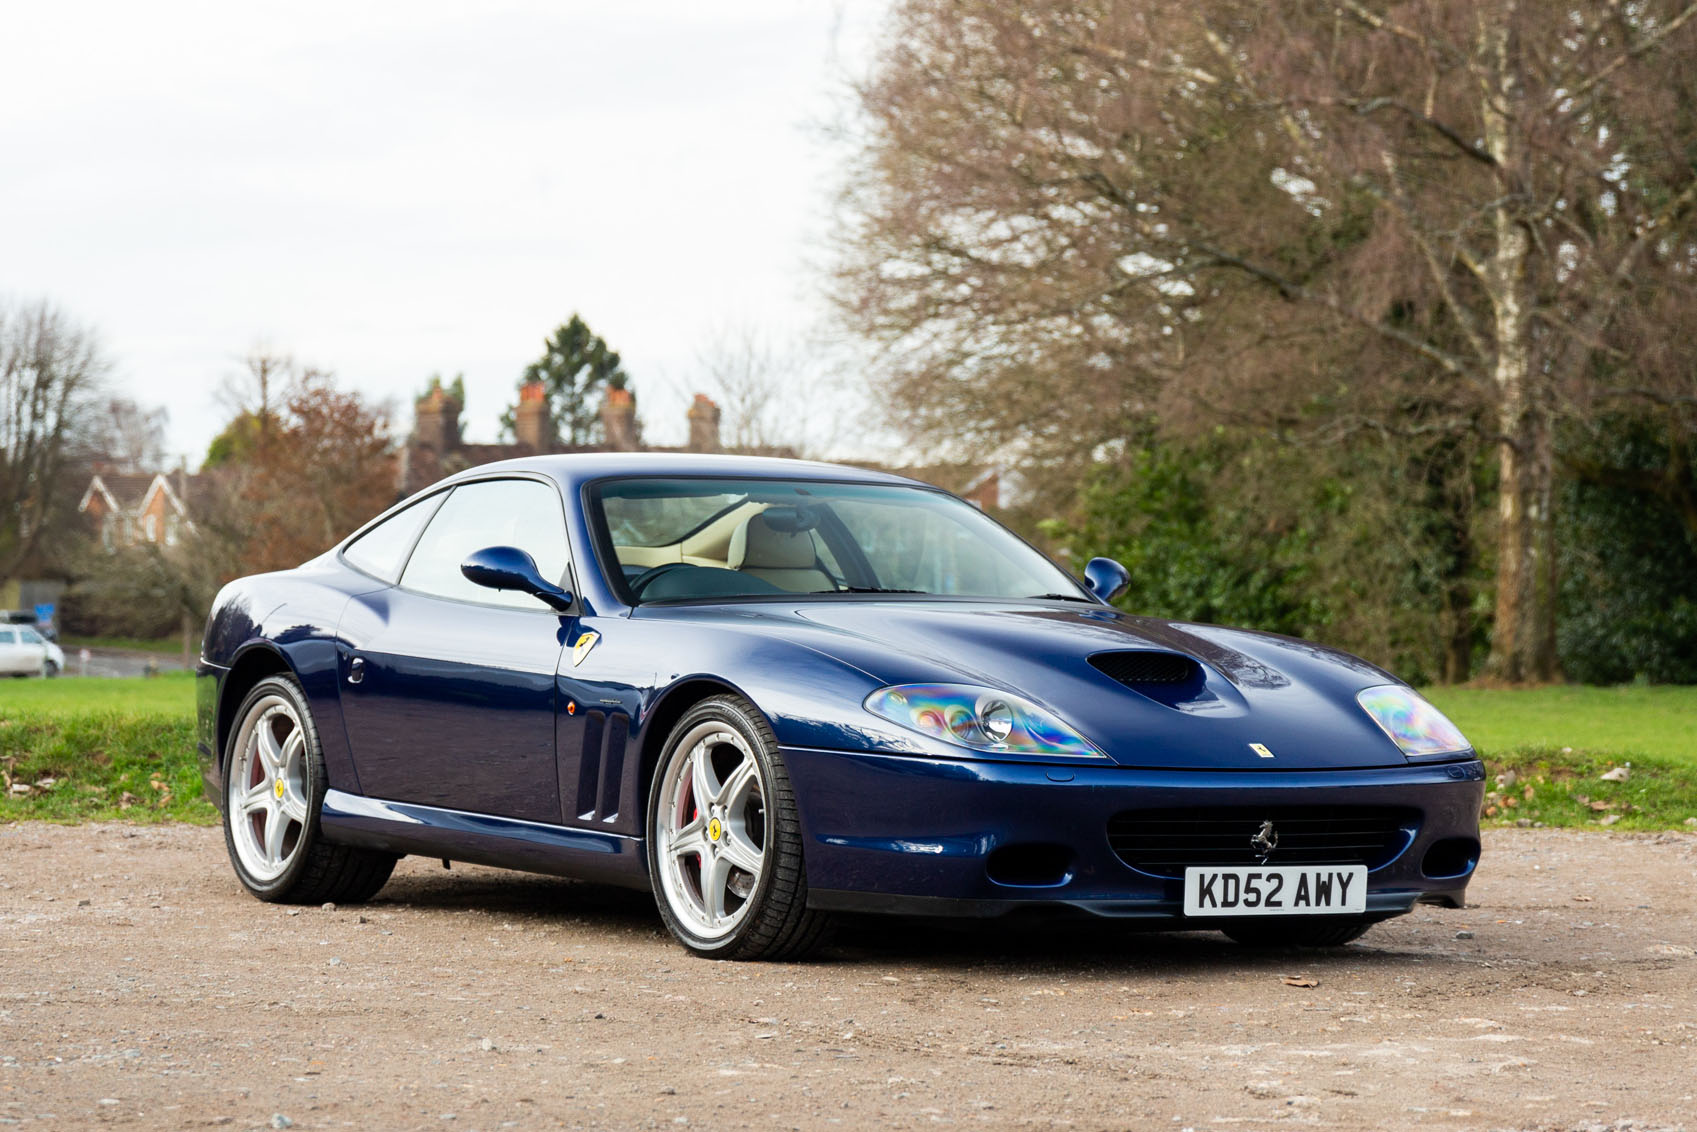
x: 774, y: 691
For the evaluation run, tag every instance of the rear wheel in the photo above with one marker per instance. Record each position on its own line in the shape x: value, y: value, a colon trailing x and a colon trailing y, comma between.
x: 1326, y: 932
x: 724, y: 840
x: 274, y: 783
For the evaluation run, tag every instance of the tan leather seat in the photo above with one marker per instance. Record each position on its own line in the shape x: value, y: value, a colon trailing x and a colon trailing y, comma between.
x: 787, y: 559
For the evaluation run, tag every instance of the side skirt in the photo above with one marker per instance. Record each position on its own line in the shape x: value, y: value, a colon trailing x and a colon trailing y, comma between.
x: 483, y: 839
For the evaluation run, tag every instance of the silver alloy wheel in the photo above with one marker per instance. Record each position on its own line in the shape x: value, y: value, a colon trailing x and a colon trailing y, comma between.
x: 266, y: 799
x: 710, y: 830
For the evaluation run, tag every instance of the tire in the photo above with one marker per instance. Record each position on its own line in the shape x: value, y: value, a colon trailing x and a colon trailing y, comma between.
x: 49, y: 670
x: 728, y: 876
x: 272, y: 795
x: 1323, y: 932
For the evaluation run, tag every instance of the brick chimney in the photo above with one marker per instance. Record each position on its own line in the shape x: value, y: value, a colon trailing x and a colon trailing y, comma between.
x: 531, y: 423
x: 704, y: 425
x: 436, y: 421
x: 618, y: 420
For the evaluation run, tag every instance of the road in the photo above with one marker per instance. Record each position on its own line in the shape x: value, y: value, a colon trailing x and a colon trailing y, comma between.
x: 120, y: 662
x: 139, y: 987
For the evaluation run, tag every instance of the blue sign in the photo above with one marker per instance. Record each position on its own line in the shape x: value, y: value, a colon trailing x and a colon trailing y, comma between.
x: 44, y: 614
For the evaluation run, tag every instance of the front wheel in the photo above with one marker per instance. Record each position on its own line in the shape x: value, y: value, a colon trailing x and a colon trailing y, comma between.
x: 1323, y: 932
x: 49, y: 669
x: 274, y: 783
x: 724, y: 839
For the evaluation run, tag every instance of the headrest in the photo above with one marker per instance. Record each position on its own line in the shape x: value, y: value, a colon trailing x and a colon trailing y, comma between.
x: 757, y: 546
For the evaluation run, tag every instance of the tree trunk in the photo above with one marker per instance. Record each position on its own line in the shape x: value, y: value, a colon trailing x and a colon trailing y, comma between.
x: 1458, y: 620
x: 1523, y: 636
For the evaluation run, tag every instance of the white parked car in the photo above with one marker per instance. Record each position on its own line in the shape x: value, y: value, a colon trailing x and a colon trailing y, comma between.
x: 25, y: 652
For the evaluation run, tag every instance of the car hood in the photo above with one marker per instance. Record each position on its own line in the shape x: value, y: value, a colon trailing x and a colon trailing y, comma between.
x: 1294, y: 699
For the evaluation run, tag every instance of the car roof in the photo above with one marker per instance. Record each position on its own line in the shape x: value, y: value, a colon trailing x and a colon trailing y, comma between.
x: 574, y: 469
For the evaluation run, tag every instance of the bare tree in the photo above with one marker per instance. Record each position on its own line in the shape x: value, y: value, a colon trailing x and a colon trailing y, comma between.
x: 1434, y: 217
x: 257, y: 390
x: 127, y: 437
x: 748, y: 379
x: 50, y: 376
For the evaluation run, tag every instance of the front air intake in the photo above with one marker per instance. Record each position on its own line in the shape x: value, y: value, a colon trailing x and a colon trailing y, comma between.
x: 1166, y: 842
x: 1144, y: 668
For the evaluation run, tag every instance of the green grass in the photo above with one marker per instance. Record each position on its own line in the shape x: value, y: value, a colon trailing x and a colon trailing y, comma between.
x: 1548, y: 748
x: 125, y: 749
x: 170, y: 693
x: 94, y: 749
x: 1627, y: 721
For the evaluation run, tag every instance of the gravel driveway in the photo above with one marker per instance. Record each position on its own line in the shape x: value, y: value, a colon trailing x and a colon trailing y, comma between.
x: 139, y: 987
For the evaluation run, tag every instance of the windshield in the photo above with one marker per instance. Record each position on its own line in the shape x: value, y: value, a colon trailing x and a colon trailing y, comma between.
x: 679, y: 539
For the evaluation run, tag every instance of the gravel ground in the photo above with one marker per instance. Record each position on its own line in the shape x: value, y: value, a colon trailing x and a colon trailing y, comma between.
x: 140, y: 987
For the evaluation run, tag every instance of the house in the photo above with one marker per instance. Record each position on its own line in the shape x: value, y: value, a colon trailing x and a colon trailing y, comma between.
x: 435, y: 448
x: 127, y: 510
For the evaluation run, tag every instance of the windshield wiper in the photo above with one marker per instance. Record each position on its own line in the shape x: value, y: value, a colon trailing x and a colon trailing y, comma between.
x: 1059, y: 597
x: 869, y: 590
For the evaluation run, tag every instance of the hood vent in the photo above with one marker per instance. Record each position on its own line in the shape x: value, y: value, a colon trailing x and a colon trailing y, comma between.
x: 1144, y: 669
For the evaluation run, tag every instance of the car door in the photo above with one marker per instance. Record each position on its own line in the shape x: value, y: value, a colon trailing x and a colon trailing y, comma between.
x: 14, y: 658
x: 448, y: 688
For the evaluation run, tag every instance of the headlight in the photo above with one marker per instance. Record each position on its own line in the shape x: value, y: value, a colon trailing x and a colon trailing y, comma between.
x: 1411, y: 721
x: 979, y: 719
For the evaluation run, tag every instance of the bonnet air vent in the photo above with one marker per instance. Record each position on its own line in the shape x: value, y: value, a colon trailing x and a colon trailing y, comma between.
x: 1141, y: 669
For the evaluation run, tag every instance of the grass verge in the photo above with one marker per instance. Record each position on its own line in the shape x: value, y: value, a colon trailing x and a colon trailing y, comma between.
x: 1566, y: 788
x: 94, y: 750
x: 170, y: 693
x: 1628, y: 721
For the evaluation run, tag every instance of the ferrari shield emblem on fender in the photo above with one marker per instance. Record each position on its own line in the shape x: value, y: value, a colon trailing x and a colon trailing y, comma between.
x: 581, y: 649
x: 1261, y: 749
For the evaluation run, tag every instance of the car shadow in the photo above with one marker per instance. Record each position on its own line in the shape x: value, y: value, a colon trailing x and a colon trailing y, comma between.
x: 1052, y: 945
x: 1062, y: 945
x: 519, y: 895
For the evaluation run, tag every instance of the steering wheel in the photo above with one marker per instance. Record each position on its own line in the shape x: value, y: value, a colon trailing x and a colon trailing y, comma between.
x: 642, y: 581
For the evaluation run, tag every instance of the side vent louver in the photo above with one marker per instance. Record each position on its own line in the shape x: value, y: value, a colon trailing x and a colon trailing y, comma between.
x: 1142, y: 669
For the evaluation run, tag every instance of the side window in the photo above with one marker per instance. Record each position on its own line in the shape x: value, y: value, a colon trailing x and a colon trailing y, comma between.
x: 30, y: 636
x: 8, y: 637
x: 382, y: 551
x: 521, y: 513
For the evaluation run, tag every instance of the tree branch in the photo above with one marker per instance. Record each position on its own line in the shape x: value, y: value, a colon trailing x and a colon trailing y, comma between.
x: 1647, y: 44
x: 1367, y: 106
x: 1379, y: 23
x: 1292, y: 290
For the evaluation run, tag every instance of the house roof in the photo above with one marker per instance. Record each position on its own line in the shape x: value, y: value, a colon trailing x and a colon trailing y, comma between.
x: 421, y: 466
x: 120, y: 492
x: 134, y: 493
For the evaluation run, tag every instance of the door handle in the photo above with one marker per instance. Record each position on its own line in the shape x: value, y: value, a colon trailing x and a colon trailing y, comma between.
x: 356, y: 670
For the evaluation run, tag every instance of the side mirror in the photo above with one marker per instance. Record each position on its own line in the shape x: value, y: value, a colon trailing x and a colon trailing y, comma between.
x: 509, y: 568
x: 1107, y: 579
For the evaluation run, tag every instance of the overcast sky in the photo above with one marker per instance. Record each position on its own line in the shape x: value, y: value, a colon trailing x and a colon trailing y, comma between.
x: 389, y: 190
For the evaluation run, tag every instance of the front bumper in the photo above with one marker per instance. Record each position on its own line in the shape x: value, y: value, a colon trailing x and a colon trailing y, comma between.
x: 888, y: 833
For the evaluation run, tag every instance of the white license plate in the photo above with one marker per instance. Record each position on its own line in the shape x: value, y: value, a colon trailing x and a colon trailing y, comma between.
x: 1275, y: 890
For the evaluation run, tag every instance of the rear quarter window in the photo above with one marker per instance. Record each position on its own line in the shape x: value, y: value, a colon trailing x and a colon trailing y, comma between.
x: 382, y: 551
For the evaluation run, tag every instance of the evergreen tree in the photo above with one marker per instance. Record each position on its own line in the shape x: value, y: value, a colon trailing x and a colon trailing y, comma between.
x: 576, y: 365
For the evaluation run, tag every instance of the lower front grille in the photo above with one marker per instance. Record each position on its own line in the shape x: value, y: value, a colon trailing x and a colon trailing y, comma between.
x: 1166, y: 842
